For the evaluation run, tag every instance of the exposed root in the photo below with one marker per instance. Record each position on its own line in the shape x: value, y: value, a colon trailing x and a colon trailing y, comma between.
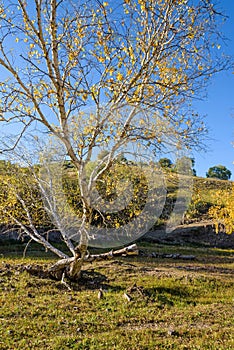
x: 64, y: 282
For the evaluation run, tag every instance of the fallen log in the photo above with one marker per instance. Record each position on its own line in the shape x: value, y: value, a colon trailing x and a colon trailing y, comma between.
x: 170, y: 256
x: 130, y: 250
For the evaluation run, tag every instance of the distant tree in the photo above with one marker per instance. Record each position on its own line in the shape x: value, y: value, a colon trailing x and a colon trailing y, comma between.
x: 185, y: 165
x: 219, y: 172
x: 122, y: 159
x: 193, y: 165
x: 102, y: 154
x: 165, y: 163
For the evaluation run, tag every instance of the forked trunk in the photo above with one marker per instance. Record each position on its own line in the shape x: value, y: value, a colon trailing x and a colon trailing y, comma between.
x: 73, y: 271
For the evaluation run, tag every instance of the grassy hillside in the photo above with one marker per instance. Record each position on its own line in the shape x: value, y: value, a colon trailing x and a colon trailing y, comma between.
x: 214, y: 199
x: 202, y: 196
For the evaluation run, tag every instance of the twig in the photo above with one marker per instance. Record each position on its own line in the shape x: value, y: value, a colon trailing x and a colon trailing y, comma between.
x: 64, y: 282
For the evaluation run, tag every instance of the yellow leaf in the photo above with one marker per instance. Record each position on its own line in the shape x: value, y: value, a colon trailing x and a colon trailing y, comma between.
x: 111, y: 71
x: 119, y: 76
x: 84, y: 97
x: 101, y: 59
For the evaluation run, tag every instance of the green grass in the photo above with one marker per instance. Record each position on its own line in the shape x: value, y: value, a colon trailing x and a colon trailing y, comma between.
x: 175, y: 304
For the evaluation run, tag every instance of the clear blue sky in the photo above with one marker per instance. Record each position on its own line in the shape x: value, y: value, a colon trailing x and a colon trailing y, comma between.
x: 219, y: 108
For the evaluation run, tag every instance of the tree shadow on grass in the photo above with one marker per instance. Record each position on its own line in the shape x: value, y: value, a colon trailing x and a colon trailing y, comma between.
x: 167, y: 295
x: 89, y: 280
x: 93, y: 280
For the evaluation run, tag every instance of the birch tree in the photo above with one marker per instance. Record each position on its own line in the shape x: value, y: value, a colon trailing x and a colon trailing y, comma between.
x: 106, y: 75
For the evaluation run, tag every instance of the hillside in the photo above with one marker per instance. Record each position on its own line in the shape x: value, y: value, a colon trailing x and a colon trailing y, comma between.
x: 197, y: 226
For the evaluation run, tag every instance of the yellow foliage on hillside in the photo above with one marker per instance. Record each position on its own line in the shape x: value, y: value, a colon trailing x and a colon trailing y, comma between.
x: 223, y: 210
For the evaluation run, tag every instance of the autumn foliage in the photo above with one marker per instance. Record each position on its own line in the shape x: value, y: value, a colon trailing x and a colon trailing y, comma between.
x: 223, y: 209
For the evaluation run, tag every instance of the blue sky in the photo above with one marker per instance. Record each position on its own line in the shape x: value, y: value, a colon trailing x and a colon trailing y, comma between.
x: 219, y: 108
